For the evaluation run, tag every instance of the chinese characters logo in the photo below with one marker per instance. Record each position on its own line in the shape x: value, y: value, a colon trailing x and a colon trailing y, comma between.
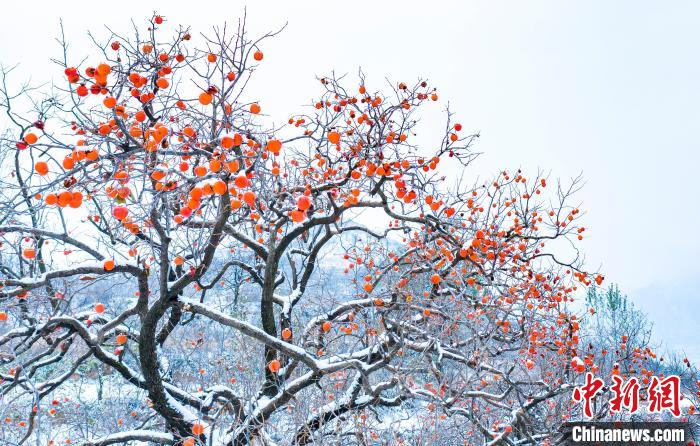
x: 662, y: 394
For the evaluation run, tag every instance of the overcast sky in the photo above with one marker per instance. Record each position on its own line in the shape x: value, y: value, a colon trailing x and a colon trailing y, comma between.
x: 606, y: 89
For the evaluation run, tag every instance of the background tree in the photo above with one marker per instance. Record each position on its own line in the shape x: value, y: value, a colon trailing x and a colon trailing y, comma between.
x: 615, y: 327
x: 619, y: 336
x: 380, y: 303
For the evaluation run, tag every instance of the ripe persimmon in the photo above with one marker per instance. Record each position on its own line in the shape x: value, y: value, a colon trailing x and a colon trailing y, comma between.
x: 64, y: 198
x: 76, y: 200
x: 303, y: 203
x: 162, y: 83
x: 120, y: 212
x: 227, y: 142
x: 334, y: 137
x: 197, y: 429
x: 41, y: 168
x: 274, y: 366
x: 274, y: 146
x: 219, y: 187
x: 241, y: 181
x: 103, y: 69
x: 249, y: 198
x: 205, y: 98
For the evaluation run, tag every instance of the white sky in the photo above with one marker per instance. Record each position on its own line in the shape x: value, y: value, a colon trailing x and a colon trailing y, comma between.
x: 607, y: 89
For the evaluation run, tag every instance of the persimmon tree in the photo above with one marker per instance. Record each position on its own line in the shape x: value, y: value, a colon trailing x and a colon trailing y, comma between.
x: 381, y: 298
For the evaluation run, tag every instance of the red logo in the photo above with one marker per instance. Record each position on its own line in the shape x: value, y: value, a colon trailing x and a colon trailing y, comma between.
x: 663, y: 394
x: 587, y: 393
